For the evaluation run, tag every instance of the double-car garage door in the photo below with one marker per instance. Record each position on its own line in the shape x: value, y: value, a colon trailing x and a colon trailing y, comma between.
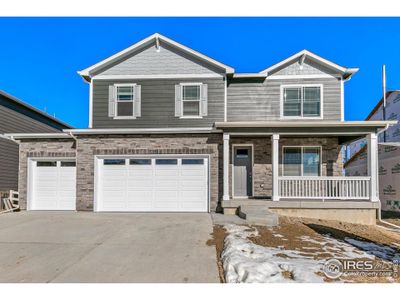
x: 124, y: 184
x: 152, y: 184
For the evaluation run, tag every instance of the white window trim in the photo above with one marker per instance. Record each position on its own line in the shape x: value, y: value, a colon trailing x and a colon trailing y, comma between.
x: 321, y: 116
x: 116, y: 85
x: 182, y: 84
x: 302, y: 151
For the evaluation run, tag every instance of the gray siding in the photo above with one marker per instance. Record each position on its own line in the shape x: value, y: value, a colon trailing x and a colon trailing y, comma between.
x: 15, y: 118
x: 158, y: 104
x: 149, y: 61
x: 308, y: 68
x: 259, y: 100
x: 8, y: 165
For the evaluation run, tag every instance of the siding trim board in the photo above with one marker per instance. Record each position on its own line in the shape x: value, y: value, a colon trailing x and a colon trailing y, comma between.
x: 305, y: 76
x: 156, y: 76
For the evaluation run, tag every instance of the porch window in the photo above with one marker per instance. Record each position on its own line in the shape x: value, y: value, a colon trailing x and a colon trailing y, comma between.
x: 191, y: 100
x: 125, y: 95
x: 301, y: 101
x: 301, y: 161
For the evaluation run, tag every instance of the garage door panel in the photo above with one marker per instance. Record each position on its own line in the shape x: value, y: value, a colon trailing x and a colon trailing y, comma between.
x: 163, y: 195
x: 193, y: 205
x: 166, y: 206
x: 140, y: 172
x: 195, y: 183
x: 140, y: 196
x: 193, y: 172
x: 153, y: 184
x: 166, y: 184
x: 192, y: 195
x: 139, y: 184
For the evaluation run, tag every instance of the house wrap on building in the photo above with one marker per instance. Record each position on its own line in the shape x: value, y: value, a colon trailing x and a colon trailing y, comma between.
x: 389, y: 153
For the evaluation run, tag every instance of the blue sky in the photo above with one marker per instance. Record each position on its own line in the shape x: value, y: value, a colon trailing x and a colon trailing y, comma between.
x: 39, y: 57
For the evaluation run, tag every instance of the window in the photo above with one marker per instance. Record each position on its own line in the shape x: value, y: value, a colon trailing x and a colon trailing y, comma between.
x: 124, y: 98
x: 301, y: 161
x: 108, y: 162
x: 242, y: 153
x: 68, y: 164
x: 166, y: 161
x: 192, y: 161
x: 140, y: 161
x: 301, y: 101
x: 191, y: 95
x: 46, y: 164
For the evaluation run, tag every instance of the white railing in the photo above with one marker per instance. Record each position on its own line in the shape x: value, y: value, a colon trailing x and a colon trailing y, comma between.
x: 324, y: 187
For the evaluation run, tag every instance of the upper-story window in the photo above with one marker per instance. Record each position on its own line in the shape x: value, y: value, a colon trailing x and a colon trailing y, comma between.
x: 301, y: 101
x: 191, y: 100
x: 124, y: 97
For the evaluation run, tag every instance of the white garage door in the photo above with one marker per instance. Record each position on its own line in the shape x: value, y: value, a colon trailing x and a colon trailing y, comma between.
x: 53, y: 185
x: 157, y: 184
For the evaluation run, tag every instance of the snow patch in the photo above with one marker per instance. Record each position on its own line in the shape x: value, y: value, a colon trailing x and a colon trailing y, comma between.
x: 244, y: 261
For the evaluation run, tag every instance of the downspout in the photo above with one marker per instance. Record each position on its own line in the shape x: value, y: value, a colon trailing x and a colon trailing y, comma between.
x: 384, y: 222
x: 72, y: 135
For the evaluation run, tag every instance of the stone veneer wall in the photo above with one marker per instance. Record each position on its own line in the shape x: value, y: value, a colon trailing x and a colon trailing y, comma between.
x: 90, y: 145
x: 332, y: 163
x: 86, y: 147
x: 40, y: 148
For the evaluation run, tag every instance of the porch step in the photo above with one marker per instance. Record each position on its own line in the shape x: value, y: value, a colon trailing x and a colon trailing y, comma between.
x: 258, y: 215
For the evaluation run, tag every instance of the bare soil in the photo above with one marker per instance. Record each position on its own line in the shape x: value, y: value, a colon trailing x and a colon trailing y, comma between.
x: 289, y: 231
x: 217, y: 240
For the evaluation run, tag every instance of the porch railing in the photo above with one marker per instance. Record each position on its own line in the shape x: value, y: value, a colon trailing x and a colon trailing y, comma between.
x: 324, y: 187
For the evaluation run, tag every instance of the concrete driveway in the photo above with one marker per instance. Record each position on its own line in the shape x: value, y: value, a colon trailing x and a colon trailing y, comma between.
x: 117, y: 247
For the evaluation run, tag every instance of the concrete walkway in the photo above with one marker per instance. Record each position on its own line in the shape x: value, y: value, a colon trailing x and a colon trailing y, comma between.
x: 93, y: 247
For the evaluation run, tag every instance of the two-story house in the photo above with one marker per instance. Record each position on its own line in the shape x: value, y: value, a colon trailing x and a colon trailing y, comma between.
x: 174, y: 130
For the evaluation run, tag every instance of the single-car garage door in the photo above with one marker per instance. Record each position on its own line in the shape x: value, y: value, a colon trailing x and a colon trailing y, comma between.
x: 147, y: 184
x: 52, y: 185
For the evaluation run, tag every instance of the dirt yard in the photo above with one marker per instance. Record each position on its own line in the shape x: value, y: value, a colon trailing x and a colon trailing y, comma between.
x: 317, y: 240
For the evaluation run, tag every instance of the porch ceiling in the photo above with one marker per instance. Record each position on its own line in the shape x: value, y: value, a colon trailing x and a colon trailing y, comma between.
x: 349, y: 130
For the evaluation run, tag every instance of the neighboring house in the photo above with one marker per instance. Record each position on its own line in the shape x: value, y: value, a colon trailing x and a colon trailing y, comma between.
x: 174, y: 130
x: 389, y: 153
x: 19, y: 117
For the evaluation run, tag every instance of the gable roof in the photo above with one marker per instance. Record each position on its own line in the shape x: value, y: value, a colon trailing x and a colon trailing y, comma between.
x: 379, y: 104
x: 345, y: 72
x: 34, y: 109
x: 86, y: 73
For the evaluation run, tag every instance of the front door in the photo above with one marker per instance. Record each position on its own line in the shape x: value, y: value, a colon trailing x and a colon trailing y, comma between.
x: 242, y: 171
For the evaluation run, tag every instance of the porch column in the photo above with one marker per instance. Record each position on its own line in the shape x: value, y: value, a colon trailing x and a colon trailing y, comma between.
x: 226, y: 166
x: 275, y: 166
x: 373, y: 165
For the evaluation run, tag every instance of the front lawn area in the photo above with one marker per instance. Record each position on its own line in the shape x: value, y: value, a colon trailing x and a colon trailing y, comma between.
x: 297, y: 250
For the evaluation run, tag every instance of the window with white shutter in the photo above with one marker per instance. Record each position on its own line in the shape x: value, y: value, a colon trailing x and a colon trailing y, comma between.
x: 124, y: 101
x: 191, y: 100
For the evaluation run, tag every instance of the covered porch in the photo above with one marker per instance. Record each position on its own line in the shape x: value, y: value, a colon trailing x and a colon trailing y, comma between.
x: 297, y: 164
